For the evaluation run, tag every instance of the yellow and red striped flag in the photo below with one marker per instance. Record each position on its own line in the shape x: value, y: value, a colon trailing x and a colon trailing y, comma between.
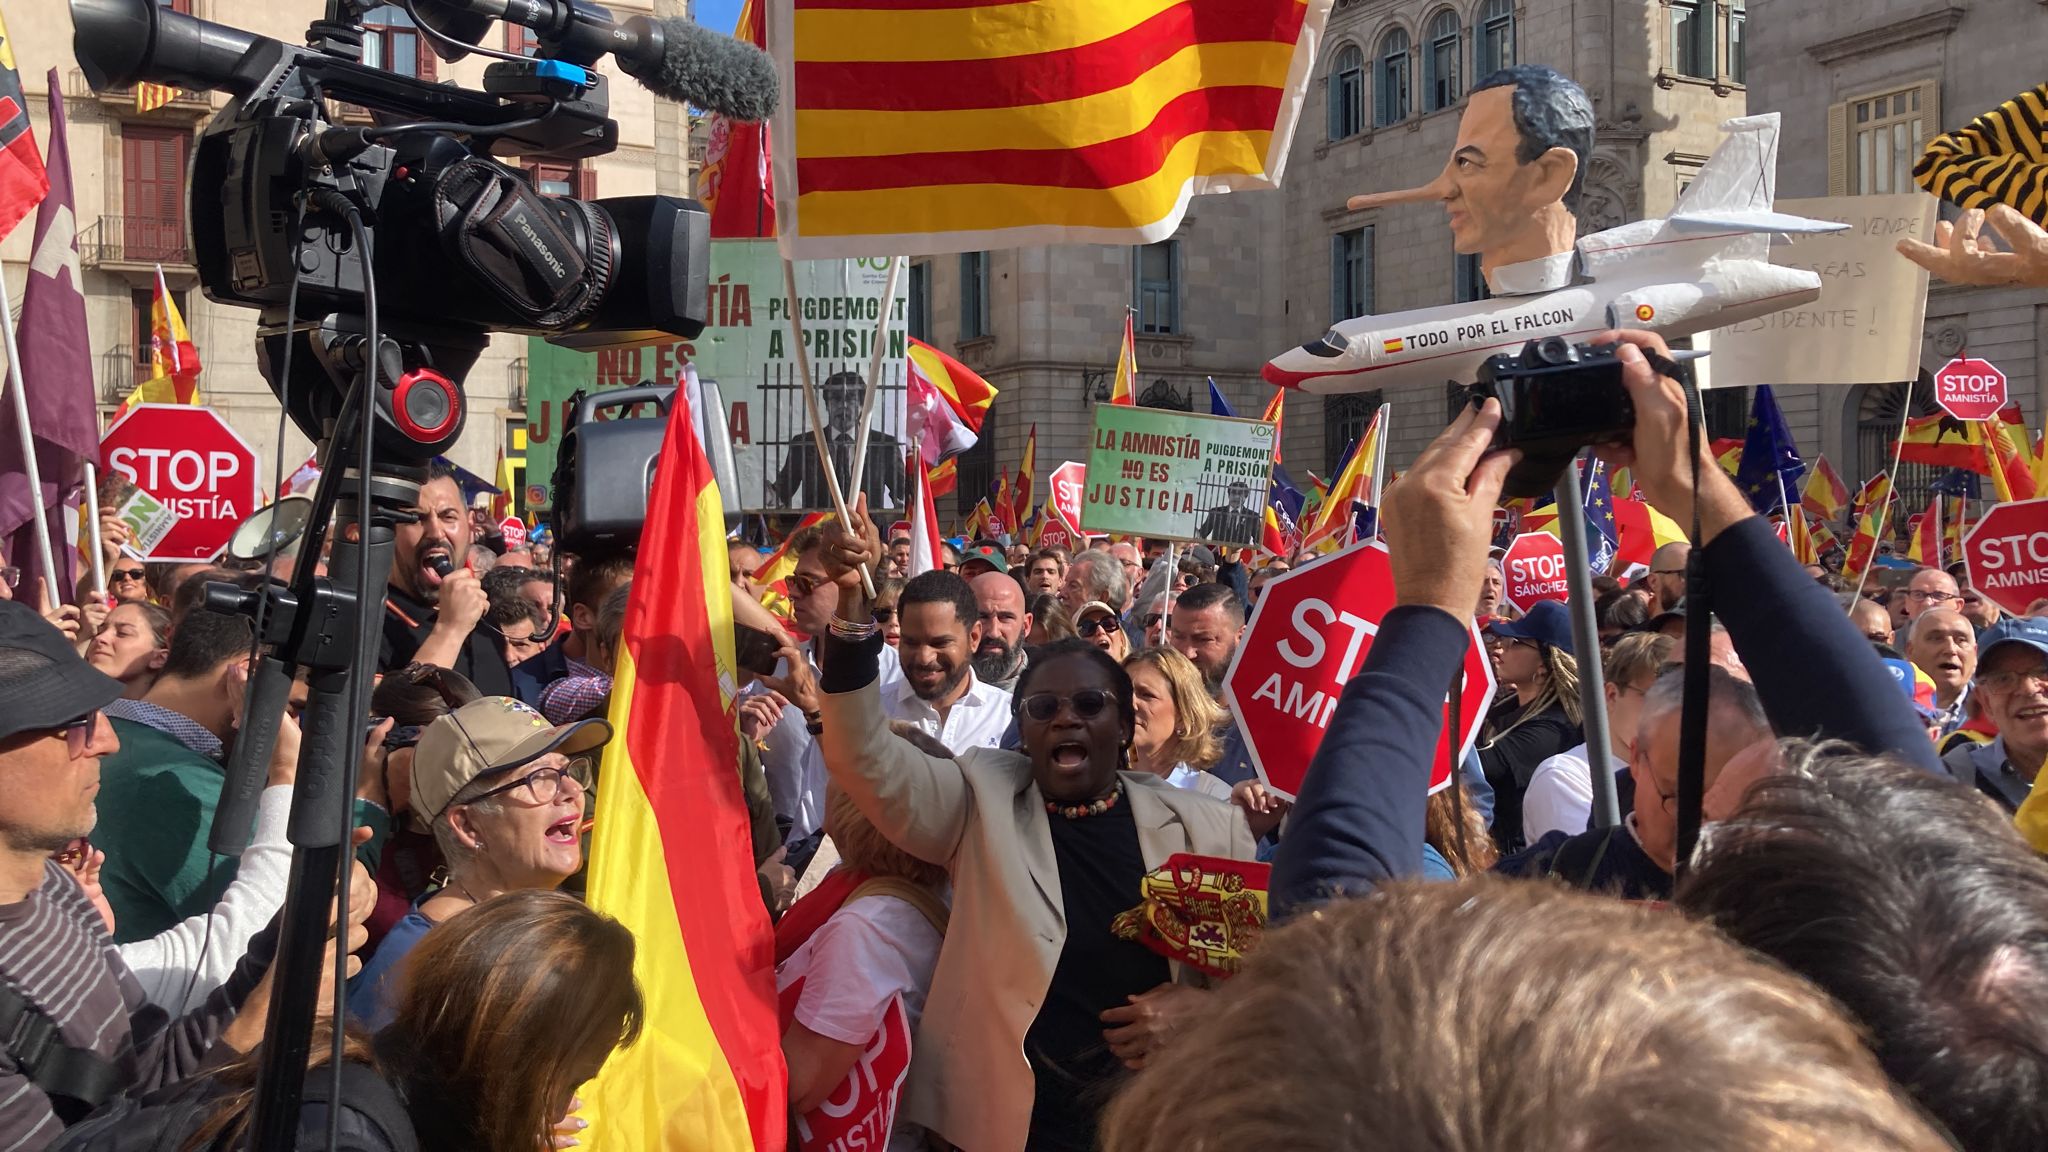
x: 779, y: 564
x: 921, y: 126
x: 173, y: 360
x: 1926, y: 536
x: 1021, y: 495
x: 944, y: 478
x: 1825, y: 494
x: 150, y: 97
x: 1335, y: 518
x: 1272, y: 416
x: 1875, y: 491
x: 1124, y: 390
x: 952, y: 424
x: 672, y: 856
x: 1799, y: 534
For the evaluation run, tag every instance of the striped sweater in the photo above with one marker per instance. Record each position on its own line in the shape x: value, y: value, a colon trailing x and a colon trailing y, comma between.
x: 55, y: 952
x: 2001, y: 157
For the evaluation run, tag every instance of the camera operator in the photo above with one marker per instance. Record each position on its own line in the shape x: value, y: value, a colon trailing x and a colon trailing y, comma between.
x: 1359, y: 819
x: 434, y: 602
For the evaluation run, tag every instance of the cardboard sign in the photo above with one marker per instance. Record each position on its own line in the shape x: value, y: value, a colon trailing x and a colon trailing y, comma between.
x: 1175, y: 476
x: 1308, y: 636
x: 1866, y: 326
x: 195, y: 465
x: 1534, y: 567
x: 1970, y: 389
x: 148, y: 522
x: 861, y: 1112
x: 2007, y: 554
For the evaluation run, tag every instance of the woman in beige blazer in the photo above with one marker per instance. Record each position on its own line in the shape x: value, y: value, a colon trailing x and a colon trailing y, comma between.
x: 1036, y: 1007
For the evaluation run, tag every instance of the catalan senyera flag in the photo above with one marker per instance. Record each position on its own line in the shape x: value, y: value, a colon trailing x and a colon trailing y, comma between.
x: 924, y: 126
x: 173, y: 360
x: 1800, y: 535
x: 1825, y: 495
x: 953, y: 424
x: 671, y: 855
x: 1124, y: 389
x: 150, y: 97
x: 1021, y: 495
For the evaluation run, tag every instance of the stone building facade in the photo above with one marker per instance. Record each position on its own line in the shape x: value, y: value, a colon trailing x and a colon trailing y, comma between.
x: 1861, y: 87
x: 129, y: 172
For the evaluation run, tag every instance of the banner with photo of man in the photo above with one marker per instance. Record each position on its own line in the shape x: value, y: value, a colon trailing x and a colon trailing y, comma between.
x: 749, y: 347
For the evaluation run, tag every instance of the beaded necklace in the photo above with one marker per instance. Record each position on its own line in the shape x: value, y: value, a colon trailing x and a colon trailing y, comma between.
x: 1092, y: 808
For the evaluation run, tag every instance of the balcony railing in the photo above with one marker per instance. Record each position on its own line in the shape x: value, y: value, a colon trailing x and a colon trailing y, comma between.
x: 133, y: 240
x: 119, y: 371
x: 184, y: 99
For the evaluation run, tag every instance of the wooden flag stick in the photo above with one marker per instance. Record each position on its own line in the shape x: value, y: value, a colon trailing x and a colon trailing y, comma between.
x: 874, y: 381
x: 803, y: 369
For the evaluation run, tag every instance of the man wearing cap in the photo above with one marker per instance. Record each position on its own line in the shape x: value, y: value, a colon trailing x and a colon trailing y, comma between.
x: 504, y: 794
x: 2011, y: 686
x: 60, y: 977
x: 982, y: 559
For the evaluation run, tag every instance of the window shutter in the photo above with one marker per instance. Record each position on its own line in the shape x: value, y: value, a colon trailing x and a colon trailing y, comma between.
x: 428, y: 62
x: 586, y: 181
x: 1930, y: 108
x: 1838, y: 149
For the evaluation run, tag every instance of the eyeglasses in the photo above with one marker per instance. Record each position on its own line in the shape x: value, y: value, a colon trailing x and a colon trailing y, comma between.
x: 78, y: 733
x: 883, y: 615
x: 1150, y: 620
x: 1088, y: 703
x: 1667, y: 571
x: 2003, y: 682
x: 1097, y: 625
x: 800, y: 585
x: 10, y: 576
x: 126, y: 573
x: 543, y: 785
x: 1923, y: 596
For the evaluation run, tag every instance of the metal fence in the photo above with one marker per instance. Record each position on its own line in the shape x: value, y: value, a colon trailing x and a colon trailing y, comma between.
x: 789, y: 477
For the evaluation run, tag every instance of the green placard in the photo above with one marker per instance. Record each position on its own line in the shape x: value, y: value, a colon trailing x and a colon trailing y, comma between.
x: 749, y: 347
x: 1177, y: 476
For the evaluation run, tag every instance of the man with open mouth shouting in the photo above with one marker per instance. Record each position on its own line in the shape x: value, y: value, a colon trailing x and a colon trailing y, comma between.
x: 1036, y: 1007
x: 434, y: 602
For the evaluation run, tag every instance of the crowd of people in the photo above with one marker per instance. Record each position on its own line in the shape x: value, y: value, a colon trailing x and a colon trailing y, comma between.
x: 958, y: 780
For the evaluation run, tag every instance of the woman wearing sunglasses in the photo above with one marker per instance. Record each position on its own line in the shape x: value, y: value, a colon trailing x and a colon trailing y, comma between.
x: 1099, y: 625
x: 504, y: 794
x: 1037, y: 1007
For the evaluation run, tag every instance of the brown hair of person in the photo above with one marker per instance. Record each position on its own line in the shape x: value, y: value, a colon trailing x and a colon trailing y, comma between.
x: 505, y: 1008
x: 1454, y: 826
x: 1496, y: 1014
x: 1197, y: 717
x: 864, y: 847
x: 230, y: 1118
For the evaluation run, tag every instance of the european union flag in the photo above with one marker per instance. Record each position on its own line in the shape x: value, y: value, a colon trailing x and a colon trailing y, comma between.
x: 1603, y: 535
x: 1218, y: 406
x: 1957, y: 482
x: 1285, y: 498
x: 1771, y: 468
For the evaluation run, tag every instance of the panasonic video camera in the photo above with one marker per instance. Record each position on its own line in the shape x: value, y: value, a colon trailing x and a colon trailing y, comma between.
x: 1555, y: 397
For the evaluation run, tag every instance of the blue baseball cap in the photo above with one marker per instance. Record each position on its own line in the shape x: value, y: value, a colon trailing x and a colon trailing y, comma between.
x: 1547, y: 622
x: 2028, y: 630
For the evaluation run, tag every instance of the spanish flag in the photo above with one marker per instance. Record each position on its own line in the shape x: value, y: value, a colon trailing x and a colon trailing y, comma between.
x: 1925, y: 534
x: 1124, y: 390
x: 734, y: 183
x: 1272, y: 416
x: 1021, y: 496
x: 920, y: 126
x: 1353, y: 485
x: 978, y: 520
x: 173, y: 360
x: 671, y: 856
x: 1981, y: 446
x: 944, y: 478
x: 779, y: 564
x: 1875, y: 491
x: 1825, y: 494
x: 1728, y: 451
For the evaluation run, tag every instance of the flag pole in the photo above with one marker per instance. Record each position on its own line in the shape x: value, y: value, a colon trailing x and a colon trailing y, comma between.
x: 92, y: 514
x: 28, y: 448
x: 1578, y: 574
x: 867, y: 402
x: 1891, y: 478
x: 1166, y: 610
x: 803, y: 369
x: 1385, y: 419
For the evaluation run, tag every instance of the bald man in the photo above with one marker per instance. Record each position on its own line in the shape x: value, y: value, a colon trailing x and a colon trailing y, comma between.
x: 1929, y: 588
x: 1000, y: 658
x: 1944, y: 645
x: 1667, y: 576
x: 1872, y: 620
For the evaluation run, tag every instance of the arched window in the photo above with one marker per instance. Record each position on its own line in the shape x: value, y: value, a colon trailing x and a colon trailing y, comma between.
x: 1879, y: 412
x: 1441, y: 84
x: 1390, y: 105
x: 1493, y: 44
x: 1347, y: 93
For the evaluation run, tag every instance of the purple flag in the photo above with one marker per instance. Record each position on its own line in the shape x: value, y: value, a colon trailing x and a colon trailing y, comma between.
x: 56, y: 374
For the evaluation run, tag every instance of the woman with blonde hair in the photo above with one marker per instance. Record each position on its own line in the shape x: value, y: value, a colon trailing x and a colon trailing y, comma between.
x: 1538, y: 716
x: 1177, y: 722
x: 868, y: 935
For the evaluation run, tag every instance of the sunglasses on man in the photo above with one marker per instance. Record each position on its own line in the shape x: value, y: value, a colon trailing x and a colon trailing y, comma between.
x: 1087, y: 704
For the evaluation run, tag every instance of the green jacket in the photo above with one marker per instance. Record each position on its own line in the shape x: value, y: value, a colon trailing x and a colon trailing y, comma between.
x: 156, y: 804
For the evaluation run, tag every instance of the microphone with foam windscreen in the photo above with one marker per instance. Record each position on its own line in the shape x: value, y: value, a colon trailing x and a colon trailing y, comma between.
x: 675, y: 58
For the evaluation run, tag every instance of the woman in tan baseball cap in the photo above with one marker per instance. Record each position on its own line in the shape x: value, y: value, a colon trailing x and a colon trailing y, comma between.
x: 504, y: 794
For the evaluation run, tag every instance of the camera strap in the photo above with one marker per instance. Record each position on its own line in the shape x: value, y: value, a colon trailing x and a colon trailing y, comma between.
x: 523, y: 245
x: 1699, y: 623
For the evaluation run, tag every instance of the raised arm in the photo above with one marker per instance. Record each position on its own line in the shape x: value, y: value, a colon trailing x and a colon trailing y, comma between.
x: 1359, y: 818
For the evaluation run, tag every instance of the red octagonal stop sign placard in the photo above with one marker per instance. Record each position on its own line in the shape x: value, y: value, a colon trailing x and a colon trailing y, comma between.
x: 190, y: 460
x: 1534, y: 567
x: 1067, y: 482
x: 1970, y: 389
x: 2007, y: 552
x: 1307, y: 638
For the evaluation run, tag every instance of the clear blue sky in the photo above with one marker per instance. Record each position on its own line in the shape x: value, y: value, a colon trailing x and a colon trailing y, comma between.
x: 718, y: 15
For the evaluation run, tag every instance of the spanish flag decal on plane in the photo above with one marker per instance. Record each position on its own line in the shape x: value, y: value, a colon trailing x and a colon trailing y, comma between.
x: 1394, y: 345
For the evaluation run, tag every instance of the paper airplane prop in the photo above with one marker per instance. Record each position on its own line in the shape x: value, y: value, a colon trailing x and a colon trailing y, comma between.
x: 1706, y: 266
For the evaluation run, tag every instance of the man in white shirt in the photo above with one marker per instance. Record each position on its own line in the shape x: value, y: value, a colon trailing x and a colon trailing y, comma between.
x: 1560, y: 794
x: 938, y: 690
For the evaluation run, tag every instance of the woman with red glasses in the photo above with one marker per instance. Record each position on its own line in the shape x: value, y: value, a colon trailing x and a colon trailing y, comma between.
x: 1037, y: 1006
